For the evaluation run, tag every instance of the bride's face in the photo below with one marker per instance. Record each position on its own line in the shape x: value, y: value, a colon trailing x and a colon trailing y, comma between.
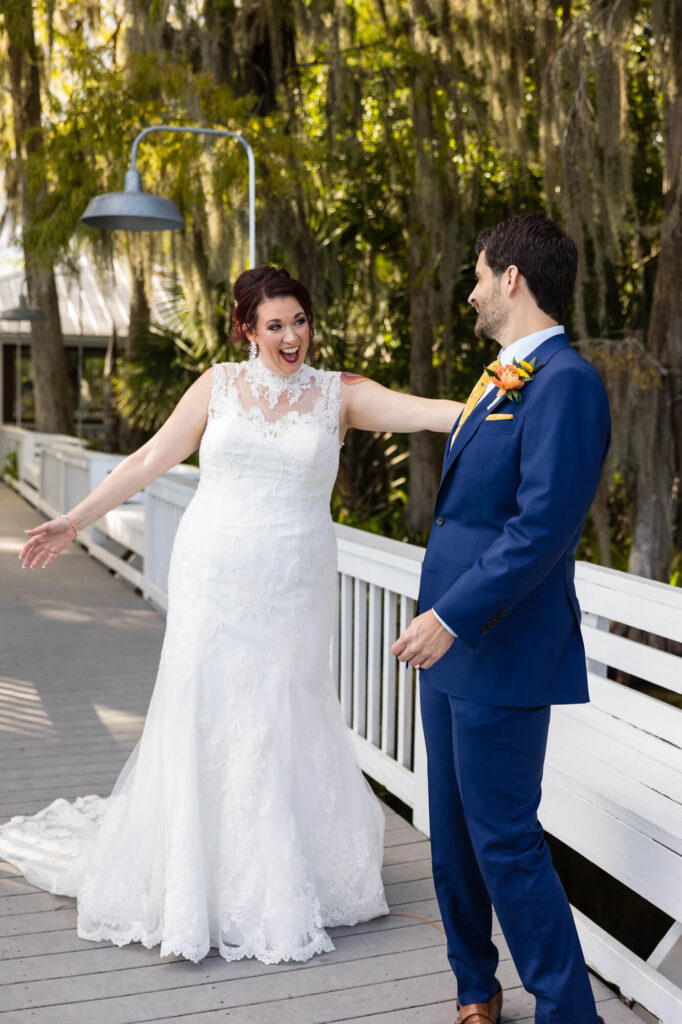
x: 282, y: 334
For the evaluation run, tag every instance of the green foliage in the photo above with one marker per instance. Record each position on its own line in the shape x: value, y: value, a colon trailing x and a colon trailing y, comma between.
x: 152, y: 384
x: 387, y: 134
x: 620, y: 537
x: 11, y: 467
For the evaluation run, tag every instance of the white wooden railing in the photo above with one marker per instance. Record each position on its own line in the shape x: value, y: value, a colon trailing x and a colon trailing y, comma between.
x: 613, y: 779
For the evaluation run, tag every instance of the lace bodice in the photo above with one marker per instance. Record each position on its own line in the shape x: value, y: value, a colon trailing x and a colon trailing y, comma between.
x: 271, y: 443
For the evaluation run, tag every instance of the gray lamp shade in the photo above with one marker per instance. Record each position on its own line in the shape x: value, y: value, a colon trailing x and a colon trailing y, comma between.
x: 132, y: 209
x: 23, y: 312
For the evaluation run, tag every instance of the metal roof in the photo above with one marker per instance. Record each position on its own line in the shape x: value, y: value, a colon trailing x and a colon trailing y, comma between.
x: 87, y: 305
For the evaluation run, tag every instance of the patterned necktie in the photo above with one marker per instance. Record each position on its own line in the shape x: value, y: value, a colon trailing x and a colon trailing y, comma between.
x: 472, y: 401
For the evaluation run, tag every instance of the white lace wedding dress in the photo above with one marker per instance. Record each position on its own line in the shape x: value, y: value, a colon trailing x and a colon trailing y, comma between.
x: 241, y: 819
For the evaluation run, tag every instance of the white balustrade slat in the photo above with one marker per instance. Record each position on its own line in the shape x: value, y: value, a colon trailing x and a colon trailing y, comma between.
x: 335, y: 638
x: 598, y: 622
x: 601, y: 723
x: 374, y: 665
x: 389, y: 673
x: 375, y: 559
x: 346, y: 633
x: 638, y: 709
x: 420, y: 807
x: 128, y: 572
x: 171, y: 516
x: 405, y: 686
x: 76, y: 484
x: 587, y: 739
x: 408, y: 720
x: 126, y: 526
x: 637, y: 659
x: 571, y: 814
x: 360, y: 657
x: 403, y: 670
x: 655, y: 815
x: 385, y: 769
x: 623, y: 592
x: 49, y: 478
x: 637, y: 610
x: 635, y: 978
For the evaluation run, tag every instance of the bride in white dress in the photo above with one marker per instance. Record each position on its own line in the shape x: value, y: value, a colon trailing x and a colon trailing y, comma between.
x: 241, y: 820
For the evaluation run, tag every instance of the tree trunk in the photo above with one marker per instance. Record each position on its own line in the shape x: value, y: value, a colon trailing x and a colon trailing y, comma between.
x: 132, y: 437
x: 422, y: 242
x: 425, y: 447
x: 111, y: 418
x: 600, y: 520
x: 53, y: 398
x: 661, y: 434
x: 651, y: 549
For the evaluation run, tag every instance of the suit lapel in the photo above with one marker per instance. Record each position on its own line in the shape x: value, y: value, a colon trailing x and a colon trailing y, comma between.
x: 448, y: 445
x: 492, y: 403
x: 468, y: 430
x: 543, y: 353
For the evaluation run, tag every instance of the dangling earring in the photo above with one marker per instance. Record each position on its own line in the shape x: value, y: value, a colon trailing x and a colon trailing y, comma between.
x: 253, y: 350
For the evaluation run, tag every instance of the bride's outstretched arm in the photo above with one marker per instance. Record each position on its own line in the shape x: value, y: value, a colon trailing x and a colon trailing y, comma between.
x: 367, y: 405
x: 172, y: 443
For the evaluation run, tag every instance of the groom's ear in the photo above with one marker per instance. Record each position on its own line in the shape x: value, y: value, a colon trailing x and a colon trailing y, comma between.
x: 513, y: 280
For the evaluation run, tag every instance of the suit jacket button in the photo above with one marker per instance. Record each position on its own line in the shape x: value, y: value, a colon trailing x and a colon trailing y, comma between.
x: 503, y: 611
x: 439, y: 520
x: 484, y: 629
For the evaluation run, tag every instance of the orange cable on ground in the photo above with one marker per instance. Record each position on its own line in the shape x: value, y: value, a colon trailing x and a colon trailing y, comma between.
x: 424, y: 920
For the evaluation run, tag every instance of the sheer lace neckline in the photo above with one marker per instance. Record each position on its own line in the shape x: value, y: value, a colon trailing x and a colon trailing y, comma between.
x: 274, y: 386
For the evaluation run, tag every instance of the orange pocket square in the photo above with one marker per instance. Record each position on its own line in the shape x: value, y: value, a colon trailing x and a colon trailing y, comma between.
x: 501, y: 416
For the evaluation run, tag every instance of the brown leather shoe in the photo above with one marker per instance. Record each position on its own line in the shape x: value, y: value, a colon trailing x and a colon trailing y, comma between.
x: 482, y: 1013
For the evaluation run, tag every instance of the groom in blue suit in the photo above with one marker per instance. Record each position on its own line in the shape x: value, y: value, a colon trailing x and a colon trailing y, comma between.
x: 497, y: 632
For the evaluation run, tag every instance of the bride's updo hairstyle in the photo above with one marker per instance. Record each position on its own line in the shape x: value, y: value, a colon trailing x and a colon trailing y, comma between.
x: 258, y: 285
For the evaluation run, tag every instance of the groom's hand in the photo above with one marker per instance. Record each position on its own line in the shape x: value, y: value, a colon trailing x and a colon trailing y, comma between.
x: 424, y: 641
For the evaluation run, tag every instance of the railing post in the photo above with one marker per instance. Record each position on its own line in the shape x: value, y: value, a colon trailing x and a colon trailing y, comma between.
x: 148, y: 505
x: 596, y: 622
x: 420, y: 811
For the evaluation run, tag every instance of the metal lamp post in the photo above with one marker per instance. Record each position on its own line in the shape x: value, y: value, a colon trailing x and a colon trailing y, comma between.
x: 21, y: 312
x: 135, y: 210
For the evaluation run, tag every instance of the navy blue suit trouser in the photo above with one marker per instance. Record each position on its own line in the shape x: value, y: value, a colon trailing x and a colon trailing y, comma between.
x: 485, y: 772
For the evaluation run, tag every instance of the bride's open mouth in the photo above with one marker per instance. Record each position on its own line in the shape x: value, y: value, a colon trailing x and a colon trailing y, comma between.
x: 290, y: 355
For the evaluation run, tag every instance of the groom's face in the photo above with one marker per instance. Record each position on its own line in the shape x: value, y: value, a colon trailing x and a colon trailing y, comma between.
x: 488, y: 300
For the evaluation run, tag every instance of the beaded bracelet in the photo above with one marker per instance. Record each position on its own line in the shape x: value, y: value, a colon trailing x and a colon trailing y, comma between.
x: 71, y: 524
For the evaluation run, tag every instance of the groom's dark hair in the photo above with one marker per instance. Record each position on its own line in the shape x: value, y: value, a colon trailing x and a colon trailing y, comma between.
x: 543, y: 253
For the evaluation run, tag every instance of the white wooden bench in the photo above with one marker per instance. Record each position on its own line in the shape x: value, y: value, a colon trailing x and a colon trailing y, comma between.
x: 613, y: 776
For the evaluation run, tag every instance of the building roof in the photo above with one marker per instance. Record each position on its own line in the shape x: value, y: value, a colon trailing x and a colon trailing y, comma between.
x: 87, y: 305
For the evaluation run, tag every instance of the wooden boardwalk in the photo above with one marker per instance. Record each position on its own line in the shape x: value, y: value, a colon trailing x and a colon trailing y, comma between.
x: 78, y: 657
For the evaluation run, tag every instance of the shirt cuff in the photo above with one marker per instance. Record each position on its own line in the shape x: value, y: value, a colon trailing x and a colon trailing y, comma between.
x: 444, y: 624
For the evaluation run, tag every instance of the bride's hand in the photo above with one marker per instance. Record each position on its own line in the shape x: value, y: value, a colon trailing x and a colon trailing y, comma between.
x: 47, y: 541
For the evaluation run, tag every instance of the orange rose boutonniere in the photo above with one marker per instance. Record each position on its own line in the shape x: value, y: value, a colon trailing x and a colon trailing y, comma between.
x: 512, y: 378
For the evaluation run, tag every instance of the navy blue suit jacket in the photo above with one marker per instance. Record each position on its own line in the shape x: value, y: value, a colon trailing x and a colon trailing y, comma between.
x: 500, y: 561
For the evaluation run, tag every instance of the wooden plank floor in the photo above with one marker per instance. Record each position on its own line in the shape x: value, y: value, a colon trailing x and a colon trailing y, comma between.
x: 78, y: 657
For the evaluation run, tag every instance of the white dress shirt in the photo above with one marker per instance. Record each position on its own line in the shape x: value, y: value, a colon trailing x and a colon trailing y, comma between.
x: 520, y: 349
